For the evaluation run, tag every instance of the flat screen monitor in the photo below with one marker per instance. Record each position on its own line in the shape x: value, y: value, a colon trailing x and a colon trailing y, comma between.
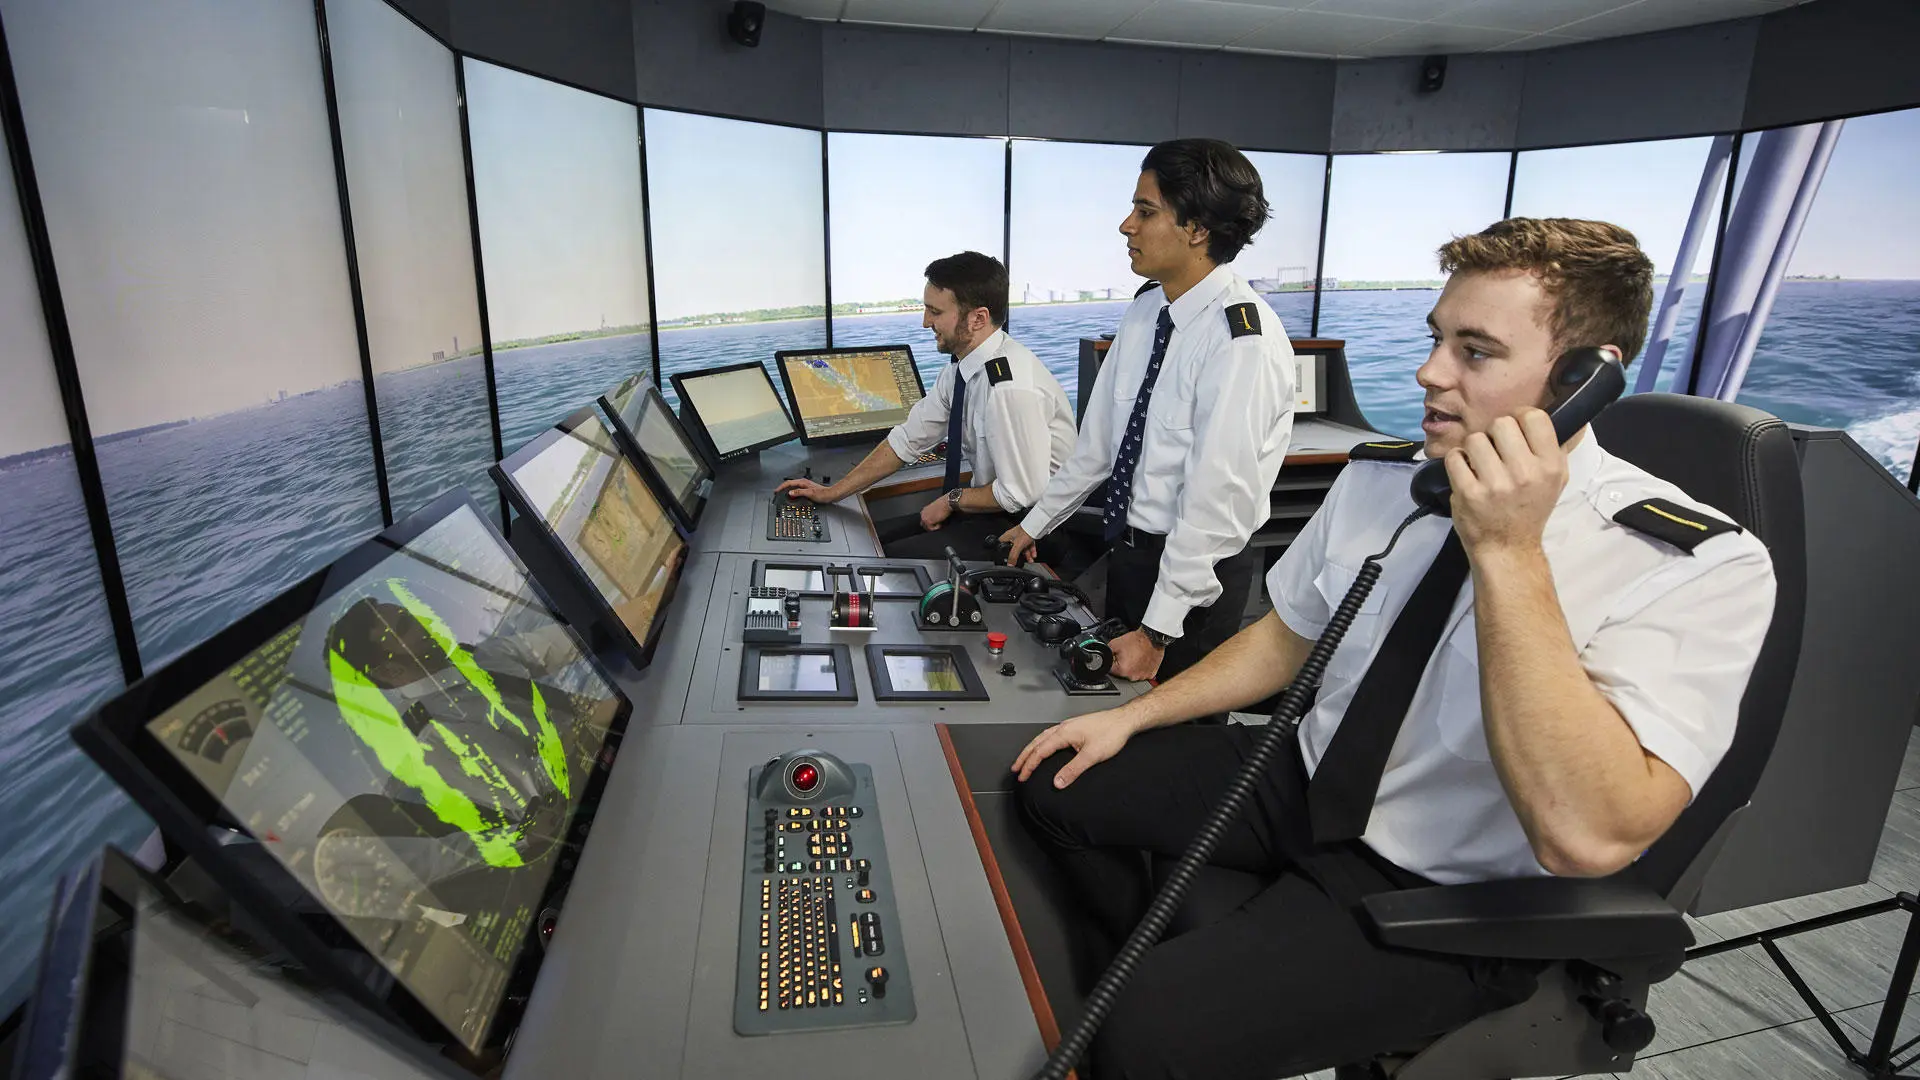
x: 603, y: 522
x: 653, y: 436
x: 135, y: 983
x: 391, y: 764
x: 846, y: 395
x: 735, y: 406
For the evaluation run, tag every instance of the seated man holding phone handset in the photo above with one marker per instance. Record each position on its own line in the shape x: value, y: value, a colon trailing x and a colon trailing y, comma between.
x: 1536, y: 686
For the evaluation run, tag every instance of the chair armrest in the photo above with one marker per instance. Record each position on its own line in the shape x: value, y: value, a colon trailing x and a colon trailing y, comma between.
x: 1530, y: 919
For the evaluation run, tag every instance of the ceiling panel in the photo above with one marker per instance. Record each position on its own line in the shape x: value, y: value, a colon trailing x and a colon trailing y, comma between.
x: 1321, y: 33
x: 1300, y: 27
x: 811, y: 9
x: 1090, y: 19
x: 1195, y: 22
x: 1414, y: 10
x: 1424, y: 39
x: 1538, y: 41
x: 939, y: 14
x: 1649, y: 15
x: 1531, y: 15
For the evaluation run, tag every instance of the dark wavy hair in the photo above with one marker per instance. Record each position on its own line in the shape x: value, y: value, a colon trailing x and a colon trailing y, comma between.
x: 975, y: 280
x: 1208, y: 182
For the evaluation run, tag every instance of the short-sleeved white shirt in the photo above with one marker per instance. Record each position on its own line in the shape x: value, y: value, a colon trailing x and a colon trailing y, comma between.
x: 1668, y: 636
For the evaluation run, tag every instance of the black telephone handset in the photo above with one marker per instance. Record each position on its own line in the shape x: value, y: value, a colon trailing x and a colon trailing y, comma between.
x: 1584, y: 381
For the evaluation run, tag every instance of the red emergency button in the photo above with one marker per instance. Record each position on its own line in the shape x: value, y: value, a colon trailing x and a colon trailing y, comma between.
x: 996, y: 641
x: 805, y: 776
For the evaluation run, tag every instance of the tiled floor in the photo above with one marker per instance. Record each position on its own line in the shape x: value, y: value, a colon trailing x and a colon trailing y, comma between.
x: 1735, y: 1016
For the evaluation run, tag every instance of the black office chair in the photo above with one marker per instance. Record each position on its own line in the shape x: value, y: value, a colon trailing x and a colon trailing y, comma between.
x: 1609, y: 939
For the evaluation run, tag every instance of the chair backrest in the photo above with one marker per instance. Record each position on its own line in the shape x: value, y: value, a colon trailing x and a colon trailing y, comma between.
x: 1741, y: 462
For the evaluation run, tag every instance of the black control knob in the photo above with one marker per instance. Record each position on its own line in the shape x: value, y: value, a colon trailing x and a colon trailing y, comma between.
x: 877, y: 978
x: 1625, y: 1028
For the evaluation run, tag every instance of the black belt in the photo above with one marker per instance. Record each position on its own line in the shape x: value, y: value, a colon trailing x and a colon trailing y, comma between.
x: 1140, y: 538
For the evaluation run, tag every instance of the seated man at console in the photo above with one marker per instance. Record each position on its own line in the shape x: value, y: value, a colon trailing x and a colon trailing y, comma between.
x: 1537, y: 688
x: 996, y: 404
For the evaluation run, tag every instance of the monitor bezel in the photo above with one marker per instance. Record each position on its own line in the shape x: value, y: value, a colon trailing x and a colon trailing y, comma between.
x: 972, y: 689
x: 639, y: 653
x: 115, y: 736
x: 688, y: 408
x: 629, y: 441
x: 751, y: 653
x: 831, y: 570
x: 845, y: 437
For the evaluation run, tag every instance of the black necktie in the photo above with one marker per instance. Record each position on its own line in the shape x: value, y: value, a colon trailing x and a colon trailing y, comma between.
x: 1340, y: 795
x: 956, y: 426
x: 1120, y: 484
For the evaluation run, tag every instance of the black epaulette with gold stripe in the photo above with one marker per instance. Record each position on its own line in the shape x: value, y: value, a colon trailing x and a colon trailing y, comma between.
x: 999, y: 371
x: 1681, y: 526
x: 1391, y: 450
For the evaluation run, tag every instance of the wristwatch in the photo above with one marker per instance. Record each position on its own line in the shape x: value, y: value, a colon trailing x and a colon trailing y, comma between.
x: 1159, y: 640
x: 953, y: 499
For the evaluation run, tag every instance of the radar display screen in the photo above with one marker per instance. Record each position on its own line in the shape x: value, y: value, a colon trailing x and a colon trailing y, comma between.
x: 737, y: 406
x: 407, y: 735
x: 596, y: 505
x: 638, y: 408
x: 838, y: 394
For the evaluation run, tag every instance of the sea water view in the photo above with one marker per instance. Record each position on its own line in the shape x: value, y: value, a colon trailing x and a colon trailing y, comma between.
x: 268, y: 495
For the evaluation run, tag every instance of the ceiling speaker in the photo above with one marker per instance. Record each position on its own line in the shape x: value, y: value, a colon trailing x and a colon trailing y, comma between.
x: 1433, y: 74
x: 745, y: 20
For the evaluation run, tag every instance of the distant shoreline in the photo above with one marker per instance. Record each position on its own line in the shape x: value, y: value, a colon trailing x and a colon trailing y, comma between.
x: 26, y: 458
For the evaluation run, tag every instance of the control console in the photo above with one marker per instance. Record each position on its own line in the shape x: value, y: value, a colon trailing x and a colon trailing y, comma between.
x: 819, y: 925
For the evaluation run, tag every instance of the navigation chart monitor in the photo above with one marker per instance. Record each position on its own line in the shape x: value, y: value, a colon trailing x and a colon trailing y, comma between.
x: 843, y: 395
x: 736, y: 406
x: 602, y: 521
x: 390, y: 765
x: 136, y: 984
x: 642, y: 420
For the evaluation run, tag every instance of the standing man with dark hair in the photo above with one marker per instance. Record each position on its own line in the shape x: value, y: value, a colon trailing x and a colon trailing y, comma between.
x: 996, y: 404
x: 1189, y: 418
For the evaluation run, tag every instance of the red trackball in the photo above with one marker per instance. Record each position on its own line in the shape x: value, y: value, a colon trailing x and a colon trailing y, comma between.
x: 805, y: 776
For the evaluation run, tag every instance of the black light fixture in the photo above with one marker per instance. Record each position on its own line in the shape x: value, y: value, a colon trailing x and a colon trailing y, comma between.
x: 1433, y: 74
x: 745, y: 20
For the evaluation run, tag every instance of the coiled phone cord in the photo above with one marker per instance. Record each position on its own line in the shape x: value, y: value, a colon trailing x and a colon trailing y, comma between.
x: 1286, y: 720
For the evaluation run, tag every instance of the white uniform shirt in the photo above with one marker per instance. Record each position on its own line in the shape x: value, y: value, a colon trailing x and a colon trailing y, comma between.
x: 1667, y: 637
x: 1217, y: 429
x: 1017, y: 432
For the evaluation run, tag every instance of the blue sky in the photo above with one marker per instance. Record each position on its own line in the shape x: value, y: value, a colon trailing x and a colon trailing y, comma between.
x: 736, y: 216
x: 556, y: 174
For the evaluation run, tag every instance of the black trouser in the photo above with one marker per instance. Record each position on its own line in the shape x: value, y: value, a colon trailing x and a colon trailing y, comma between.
x: 966, y: 534
x: 1133, y: 567
x: 1288, y: 983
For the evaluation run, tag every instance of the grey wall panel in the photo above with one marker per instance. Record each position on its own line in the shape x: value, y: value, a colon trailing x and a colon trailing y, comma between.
x: 1099, y: 93
x: 1691, y: 81
x: 894, y: 80
x: 1376, y: 105
x: 1258, y: 102
x: 1832, y: 58
x: 585, y: 42
x: 435, y: 15
x: 684, y: 60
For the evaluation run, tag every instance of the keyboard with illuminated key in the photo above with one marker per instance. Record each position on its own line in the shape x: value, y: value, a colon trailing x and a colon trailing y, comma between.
x: 819, y: 928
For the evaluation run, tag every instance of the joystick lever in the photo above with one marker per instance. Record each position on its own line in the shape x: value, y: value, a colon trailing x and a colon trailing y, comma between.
x: 877, y: 978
